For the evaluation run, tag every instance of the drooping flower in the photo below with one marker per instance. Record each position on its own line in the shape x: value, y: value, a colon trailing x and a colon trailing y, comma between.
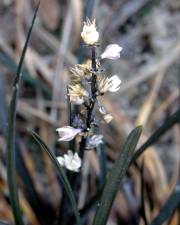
x: 67, y: 133
x: 89, y: 33
x: 111, y: 84
x: 94, y: 140
x: 70, y: 161
x: 112, y: 51
x: 108, y: 117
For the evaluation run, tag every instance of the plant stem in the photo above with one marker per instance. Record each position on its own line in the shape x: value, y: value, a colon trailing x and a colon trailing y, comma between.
x: 92, y: 101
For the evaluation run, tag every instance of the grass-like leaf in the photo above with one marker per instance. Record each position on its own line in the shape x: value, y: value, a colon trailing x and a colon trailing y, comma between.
x: 169, y: 207
x: 115, y: 177
x: 61, y: 173
x: 169, y: 122
x: 102, y: 163
x: 11, y: 163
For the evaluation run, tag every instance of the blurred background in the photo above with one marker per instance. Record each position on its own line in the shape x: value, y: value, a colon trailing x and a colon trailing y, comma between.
x: 149, y: 67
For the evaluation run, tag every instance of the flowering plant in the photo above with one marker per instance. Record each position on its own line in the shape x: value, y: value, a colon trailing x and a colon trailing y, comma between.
x: 88, y: 85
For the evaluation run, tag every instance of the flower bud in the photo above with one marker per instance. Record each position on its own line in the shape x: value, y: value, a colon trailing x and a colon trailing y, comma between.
x: 108, y: 117
x: 89, y: 34
x: 112, y: 51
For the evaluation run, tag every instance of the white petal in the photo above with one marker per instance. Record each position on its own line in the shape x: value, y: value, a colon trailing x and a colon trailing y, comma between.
x: 77, y: 159
x: 112, y: 51
x: 67, y: 133
x: 115, y: 83
x: 60, y: 160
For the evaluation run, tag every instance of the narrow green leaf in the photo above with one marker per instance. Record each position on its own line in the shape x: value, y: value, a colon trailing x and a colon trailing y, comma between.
x: 169, y: 122
x: 169, y: 207
x: 62, y: 175
x: 115, y: 177
x: 11, y: 162
x: 102, y: 162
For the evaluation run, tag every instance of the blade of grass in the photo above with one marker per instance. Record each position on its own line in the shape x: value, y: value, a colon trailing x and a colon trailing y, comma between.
x: 168, y: 209
x: 115, y: 177
x: 102, y: 163
x: 62, y: 175
x: 170, y: 122
x: 11, y: 162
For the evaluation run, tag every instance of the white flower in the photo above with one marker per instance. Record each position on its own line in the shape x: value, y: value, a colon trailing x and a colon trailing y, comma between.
x: 112, y: 51
x: 67, y: 133
x: 108, y: 117
x: 114, y: 83
x: 109, y: 84
x: 89, y: 34
x: 70, y: 161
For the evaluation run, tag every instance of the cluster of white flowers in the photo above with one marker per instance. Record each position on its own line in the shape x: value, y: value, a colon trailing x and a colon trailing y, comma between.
x: 86, y: 88
x: 70, y: 161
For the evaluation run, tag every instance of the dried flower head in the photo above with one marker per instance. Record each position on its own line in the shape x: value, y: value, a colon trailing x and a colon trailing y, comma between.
x: 77, y: 90
x: 112, y: 51
x: 70, y: 161
x: 109, y: 84
x: 67, y: 133
x: 89, y: 34
x: 81, y: 71
x: 86, y: 67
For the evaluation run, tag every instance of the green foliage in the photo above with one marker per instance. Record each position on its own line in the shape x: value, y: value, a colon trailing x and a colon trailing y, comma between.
x: 102, y: 163
x: 11, y: 163
x: 115, y: 177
